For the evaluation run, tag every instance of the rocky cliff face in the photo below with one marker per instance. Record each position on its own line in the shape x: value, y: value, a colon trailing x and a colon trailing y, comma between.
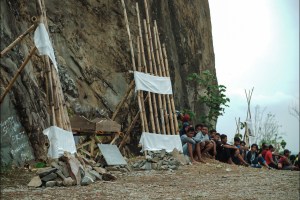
x: 92, y: 50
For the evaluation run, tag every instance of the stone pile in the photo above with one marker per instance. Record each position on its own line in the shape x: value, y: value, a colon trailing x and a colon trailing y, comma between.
x: 161, y: 160
x: 71, y: 170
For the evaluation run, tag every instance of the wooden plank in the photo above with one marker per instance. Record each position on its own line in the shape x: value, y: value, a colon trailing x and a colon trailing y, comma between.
x: 82, y: 124
x: 107, y: 125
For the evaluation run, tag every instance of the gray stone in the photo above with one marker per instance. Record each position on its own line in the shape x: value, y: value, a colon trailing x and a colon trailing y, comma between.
x: 128, y: 168
x: 154, y: 165
x: 64, y: 169
x: 100, y: 170
x: 164, y: 167
x: 112, y: 168
x: 148, y: 158
x: 68, y: 181
x: 142, y: 163
x: 174, y: 162
x: 59, y: 183
x: 155, y: 159
x: 147, y: 166
x: 49, y: 177
x: 108, y: 177
x: 35, y: 182
x: 136, y: 165
x: 162, y: 153
x: 88, y: 174
x: 175, y: 167
x: 60, y: 174
x: 50, y: 183
x: 86, y: 180
x: 56, y: 165
x: 45, y: 171
x: 96, y: 174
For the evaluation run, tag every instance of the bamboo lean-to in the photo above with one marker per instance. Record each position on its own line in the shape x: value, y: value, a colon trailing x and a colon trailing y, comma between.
x: 165, y: 120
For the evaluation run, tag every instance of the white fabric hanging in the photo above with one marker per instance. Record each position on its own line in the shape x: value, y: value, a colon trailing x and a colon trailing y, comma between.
x: 43, y: 44
x: 154, y: 142
x: 60, y: 141
x: 150, y: 83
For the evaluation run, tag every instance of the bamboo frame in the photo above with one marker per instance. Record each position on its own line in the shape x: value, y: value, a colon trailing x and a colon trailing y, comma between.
x: 143, y: 65
x: 19, y: 39
x: 23, y: 65
x: 141, y: 105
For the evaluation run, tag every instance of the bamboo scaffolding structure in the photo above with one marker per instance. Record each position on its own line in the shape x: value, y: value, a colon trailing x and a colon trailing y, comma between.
x: 17, y: 74
x: 19, y: 39
x: 171, y: 95
x: 143, y: 65
x: 159, y: 73
x: 127, y: 94
x: 150, y: 69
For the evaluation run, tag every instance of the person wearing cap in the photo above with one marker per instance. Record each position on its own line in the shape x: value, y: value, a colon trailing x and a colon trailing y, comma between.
x: 285, y: 162
x: 269, y: 157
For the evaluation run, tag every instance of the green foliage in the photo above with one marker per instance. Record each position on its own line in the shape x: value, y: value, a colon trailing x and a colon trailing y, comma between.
x: 283, y: 144
x: 214, y: 95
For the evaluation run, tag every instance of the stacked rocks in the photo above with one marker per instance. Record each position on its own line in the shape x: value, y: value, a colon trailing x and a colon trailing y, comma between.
x: 161, y: 160
x: 70, y: 170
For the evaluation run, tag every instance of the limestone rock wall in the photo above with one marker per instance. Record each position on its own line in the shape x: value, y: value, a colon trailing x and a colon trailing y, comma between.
x: 92, y: 51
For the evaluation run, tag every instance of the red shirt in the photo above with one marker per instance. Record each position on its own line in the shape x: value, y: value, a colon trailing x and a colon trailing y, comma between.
x: 268, y: 157
x: 263, y: 153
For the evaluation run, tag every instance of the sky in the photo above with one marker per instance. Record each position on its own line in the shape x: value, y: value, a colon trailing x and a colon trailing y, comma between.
x: 256, y: 44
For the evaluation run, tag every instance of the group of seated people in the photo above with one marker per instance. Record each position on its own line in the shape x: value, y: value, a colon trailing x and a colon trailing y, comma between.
x: 199, y: 142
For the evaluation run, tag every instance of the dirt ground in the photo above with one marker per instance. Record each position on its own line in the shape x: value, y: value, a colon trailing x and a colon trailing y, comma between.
x: 213, y: 180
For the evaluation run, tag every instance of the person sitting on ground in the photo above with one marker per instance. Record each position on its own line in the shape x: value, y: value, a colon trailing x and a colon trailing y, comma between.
x: 254, y: 159
x: 245, y: 149
x: 190, y: 147
x: 212, y: 133
x: 185, y: 127
x: 203, y: 138
x: 269, y: 157
x: 264, y: 149
x: 214, y: 140
x: 297, y: 163
x: 285, y: 162
x: 225, y: 151
x: 237, y: 158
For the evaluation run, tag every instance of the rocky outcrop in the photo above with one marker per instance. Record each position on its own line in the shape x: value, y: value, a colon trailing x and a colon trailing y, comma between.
x: 91, y: 46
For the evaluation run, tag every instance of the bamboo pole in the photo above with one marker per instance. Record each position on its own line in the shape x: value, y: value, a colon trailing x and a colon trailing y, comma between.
x: 143, y: 64
x: 19, y: 39
x: 159, y: 74
x: 17, y: 74
x: 169, y: 117
x: 129, y: 35
x: 150, y: 68
x: 171, y: 95
x: 130, y: 87
x: 139, y: 92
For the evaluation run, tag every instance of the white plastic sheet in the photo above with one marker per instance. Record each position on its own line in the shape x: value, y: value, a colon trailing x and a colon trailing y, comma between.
x: 43, y: 44
x: 154, y: 142
x: 60, y: 141
x: 150, y: 83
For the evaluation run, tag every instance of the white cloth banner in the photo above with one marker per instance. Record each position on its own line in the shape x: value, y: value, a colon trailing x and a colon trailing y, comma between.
x: 154, y: 142
x: 150, y: 83
x: 43, y: 44
x: 60, y: 141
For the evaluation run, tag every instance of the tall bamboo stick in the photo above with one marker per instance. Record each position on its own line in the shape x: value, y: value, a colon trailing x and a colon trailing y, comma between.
x: 143, y: 64
x: 19, y: 39
x: 159, y: 95
x: 130, y: 87
x: 17, y: 74
x: 170, y: 116
x: 129, y: 35
x: 171, y: 96
x: 139, y: 92
x: 150, y: 68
